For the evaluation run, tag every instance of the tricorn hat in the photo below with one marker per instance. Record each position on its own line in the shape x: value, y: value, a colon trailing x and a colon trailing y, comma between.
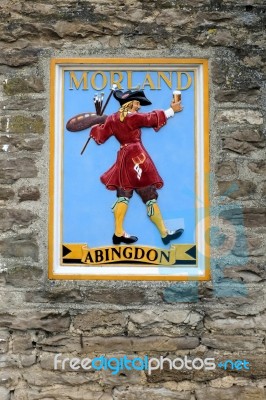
x: 129, y: 95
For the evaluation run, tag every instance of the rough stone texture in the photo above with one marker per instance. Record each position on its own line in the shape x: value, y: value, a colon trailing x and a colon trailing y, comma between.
x: 26, y: 193
x: 223, y: 318
x: 14, y: 169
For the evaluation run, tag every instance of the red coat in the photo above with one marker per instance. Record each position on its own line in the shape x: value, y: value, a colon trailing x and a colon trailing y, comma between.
x: 134, y: 167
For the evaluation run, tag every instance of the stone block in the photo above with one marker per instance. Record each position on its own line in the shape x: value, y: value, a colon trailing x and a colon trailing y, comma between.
x: 20, y: 246
x: 62, y: 392
x: 22, y: 124
x: 251, y: 96
x: 29, y: 84
x: 6, y: 194
x: 18, y: 103
x: 42, y: 378
x: 233, y: 342
x: 99, y: 344
x: 14, y: 143
x: 20, y: 57
x: 55, y: 295
x: 4, y: 341
x: 28, y: 193
x: 216, y: 322
x: 243, y: 141
x: 240, y: 116
x: 20, y: 275
x: 13, y: 169
x: 258, y: 167
x: 144, y: 393
x: 49, y: 321
x: 225, y: 169
x: 249, y: 273
x: 9, y: 378
x: 101, y: 322
x: 235, y: 392
x: 237, y: 188
x: 11, y: 219
x: 250, y: 217
x: 124, y: 377
x: 4, y: 393
x: 163, y: 322
x: 9, y: 361
x: 123, y: 296
x: 132, y: 344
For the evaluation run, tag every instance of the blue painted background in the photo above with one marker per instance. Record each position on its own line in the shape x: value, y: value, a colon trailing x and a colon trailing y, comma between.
x: 87, y: 216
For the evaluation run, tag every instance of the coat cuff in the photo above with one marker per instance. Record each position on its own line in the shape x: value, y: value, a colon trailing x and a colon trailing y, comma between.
x: 161, y: 119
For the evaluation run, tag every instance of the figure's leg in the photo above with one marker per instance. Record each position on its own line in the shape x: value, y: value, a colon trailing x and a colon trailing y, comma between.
x: 149, y: 196
x: 119, y: 210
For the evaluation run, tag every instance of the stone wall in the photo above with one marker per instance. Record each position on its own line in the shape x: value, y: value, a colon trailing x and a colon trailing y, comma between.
x: 223, y: 318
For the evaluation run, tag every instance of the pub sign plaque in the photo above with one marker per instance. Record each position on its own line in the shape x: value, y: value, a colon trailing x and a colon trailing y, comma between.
x: 129, y: 167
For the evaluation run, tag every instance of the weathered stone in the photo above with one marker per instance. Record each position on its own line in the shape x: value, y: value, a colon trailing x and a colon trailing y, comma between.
x: 11, y: 219
x: 26, y: 193
x: 258, y: 167
x: 122, y: 296
x: 263, y: 190
x: 124, y: 377
x: 23, y: 275
x: 225, y: 169
x: 233, y: 343
x: 6, y: 193
x: 62, y: 392
x: 240, y: 116
x: 44, y: 320
x: 22, y: 124
x: 54, y: 362
x: 16, y: 143
x: 215, y: 322
x: 15, y: 85
x: 23, y: 342
x: 9, y: 378
x: 27, y: 360
x: 247, y: 273
x: 9, y: 360
x: 4, y: 393
x: 163, y: 322
x: 22, y: 103
x: 24, y: 245
x: 55, y: 295
x: 132, y: 344
x: 250, y: 217
x: 4, y: 340
x: 246, y: 246
x: 237, y: 188
x: 235, y: 392
x: 18, y: 58
x: 96, y: 344
x: 42, y: 378
x: 14, y: 169
x: 245, y: 96
x: 101, y: 322
x: 143, y: 393
x: 244, y: 141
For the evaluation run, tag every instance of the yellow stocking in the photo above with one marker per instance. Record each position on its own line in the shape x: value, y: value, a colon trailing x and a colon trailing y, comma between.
x: 119, y: 210
x: 156, y: 217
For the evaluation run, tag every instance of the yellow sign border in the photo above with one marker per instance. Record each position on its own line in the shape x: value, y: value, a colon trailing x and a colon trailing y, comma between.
x: 129, y: 61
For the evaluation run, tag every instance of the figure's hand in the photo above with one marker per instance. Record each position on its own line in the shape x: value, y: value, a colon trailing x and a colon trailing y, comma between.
x: 177, y: 107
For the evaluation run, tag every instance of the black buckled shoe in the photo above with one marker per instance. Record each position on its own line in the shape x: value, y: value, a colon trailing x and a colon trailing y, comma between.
x: 126, y: 238
x: 172, y: 235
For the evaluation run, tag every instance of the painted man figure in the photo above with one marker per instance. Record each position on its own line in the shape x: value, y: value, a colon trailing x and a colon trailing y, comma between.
x: 134, y: 168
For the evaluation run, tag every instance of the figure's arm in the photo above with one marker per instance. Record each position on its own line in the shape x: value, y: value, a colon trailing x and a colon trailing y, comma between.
x: 100, y: 133
x: 155, y: 119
